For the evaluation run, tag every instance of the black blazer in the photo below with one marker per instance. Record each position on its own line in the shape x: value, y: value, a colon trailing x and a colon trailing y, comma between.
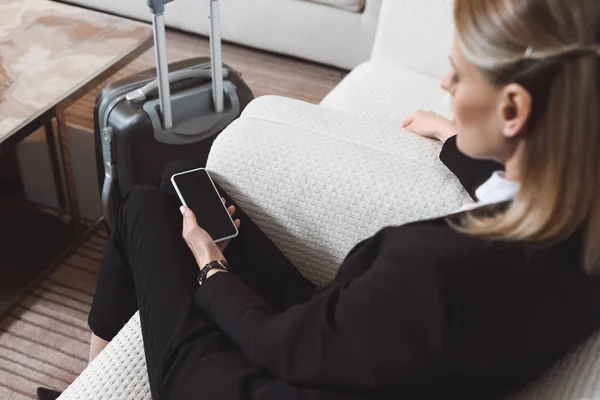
x: 421, y: 311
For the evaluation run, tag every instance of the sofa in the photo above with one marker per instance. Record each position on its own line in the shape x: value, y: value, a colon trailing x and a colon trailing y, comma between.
x: 334, y: 32
x: 320, y: 178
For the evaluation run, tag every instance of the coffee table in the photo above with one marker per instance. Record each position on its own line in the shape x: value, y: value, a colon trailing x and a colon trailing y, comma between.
x: 51, y: 54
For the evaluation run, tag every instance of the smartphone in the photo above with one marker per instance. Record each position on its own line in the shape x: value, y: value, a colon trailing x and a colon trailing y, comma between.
x: 198, y: 192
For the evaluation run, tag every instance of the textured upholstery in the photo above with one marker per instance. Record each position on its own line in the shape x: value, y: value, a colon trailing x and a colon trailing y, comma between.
x: 318, y: 182
x: 118, y: 373
x: 383, y: 91
x: 575, y: 377
x: 313, y: 31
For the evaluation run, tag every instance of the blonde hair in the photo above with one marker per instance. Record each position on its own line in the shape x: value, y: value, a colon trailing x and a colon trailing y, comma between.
x: 551, y: 48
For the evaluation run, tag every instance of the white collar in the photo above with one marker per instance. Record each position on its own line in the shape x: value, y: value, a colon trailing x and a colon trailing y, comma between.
x: 495, y: 190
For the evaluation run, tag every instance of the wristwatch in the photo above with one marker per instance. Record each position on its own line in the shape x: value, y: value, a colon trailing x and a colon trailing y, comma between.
x: 217, y: 264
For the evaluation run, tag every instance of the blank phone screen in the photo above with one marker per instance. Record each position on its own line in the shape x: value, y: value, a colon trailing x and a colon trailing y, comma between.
x: 200, y: 195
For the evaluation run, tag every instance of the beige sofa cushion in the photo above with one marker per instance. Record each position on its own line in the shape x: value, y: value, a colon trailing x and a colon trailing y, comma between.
x: 350, y: 5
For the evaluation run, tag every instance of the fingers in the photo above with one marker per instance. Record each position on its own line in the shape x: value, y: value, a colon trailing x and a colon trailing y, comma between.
x: 185, y: 212
x: 223, y: 245
x: 188, y: 215
x: 236, y: 222
x: 189, y: 219
x: 408, y: 121
x: 230, y: 209
x: 190, y: 222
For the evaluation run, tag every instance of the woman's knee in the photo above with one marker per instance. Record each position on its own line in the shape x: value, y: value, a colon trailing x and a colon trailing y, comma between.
x: 143, y: 202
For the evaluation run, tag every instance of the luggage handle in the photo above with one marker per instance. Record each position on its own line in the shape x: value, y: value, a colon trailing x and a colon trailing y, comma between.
x: 141, y: 94
x: 160, y: 51
x: 157, y: 8
x: 216, y: 55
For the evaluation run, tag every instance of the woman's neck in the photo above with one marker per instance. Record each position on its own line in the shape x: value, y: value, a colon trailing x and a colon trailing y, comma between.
x: 513, y: 163
x: 512, y: 170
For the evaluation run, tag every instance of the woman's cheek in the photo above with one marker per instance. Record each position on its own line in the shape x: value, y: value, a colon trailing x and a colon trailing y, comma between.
x: 458, y: 113
x: 461, y: 122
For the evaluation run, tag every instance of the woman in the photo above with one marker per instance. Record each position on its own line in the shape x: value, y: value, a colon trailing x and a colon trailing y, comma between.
x: 474, y: 305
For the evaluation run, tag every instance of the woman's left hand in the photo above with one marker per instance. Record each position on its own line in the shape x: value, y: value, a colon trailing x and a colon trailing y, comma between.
x: 430, y: 125
x: 199, y: 241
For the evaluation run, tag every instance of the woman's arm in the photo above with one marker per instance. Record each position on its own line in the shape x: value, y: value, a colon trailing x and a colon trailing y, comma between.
x: 374, y: 330
x: 470, y: 172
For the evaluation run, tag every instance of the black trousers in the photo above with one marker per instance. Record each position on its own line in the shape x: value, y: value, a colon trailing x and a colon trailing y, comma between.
x: 147, y: 266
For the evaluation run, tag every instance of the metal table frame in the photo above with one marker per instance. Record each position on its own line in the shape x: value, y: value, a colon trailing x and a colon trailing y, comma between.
x: 55, y: 126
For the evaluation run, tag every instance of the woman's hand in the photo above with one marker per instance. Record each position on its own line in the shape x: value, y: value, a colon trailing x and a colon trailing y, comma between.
x: 199, y: 241
x: 231, y: 210
x: 430, y: 125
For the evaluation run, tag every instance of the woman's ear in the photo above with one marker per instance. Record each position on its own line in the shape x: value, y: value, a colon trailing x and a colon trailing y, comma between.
x: 515, y: 110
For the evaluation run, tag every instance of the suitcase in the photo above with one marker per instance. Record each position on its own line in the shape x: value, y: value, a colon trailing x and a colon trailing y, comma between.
x: 142, y: 123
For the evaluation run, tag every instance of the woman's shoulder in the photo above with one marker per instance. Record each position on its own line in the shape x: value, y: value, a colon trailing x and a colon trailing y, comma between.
x: 437, y: 242
x: 432, y: 234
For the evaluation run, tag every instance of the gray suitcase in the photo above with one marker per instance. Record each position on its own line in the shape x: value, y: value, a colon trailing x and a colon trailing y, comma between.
x: 144, y: 122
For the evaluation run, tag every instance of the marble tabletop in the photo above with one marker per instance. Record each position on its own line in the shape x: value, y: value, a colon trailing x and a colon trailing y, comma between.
x: 49, y: 50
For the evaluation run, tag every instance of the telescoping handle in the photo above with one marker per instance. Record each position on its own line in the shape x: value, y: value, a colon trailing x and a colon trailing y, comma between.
x: 141, y: 94
x: 162, y: 67
x: 216, y: 55
x: 157, y: 8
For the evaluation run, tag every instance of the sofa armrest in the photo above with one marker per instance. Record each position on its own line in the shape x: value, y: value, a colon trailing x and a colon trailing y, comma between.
x: 576, y: 376
x: 318, y: 181
x: 119, y: 371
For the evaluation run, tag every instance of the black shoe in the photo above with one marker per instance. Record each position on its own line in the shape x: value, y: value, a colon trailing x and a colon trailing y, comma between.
x: 47, y: 394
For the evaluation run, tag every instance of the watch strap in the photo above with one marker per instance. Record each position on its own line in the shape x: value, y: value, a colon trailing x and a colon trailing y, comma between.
x: 216, y: 264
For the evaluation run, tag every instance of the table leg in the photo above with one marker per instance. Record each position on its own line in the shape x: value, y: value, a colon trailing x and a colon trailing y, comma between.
x: 65, y: 152
x: 55, y: 165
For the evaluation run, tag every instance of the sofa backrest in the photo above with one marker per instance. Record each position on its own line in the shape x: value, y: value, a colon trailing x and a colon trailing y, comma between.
x: 416, y: 35
x: 334, y: 32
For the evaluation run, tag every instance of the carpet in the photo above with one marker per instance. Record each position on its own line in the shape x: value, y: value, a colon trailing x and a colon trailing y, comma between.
x: 44, y: 339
